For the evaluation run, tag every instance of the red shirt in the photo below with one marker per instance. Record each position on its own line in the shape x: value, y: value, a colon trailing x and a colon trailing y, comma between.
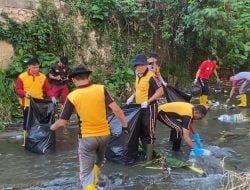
x: 206, y: 69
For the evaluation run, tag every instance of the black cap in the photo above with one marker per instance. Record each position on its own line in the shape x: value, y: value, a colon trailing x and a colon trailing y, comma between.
x: 140, y: 59
x: 154, y: 55
x: 33, y: 61
x: 80, y: 69
x: 64, y: 60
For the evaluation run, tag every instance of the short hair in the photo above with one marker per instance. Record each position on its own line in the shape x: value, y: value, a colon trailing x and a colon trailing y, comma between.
x: 200, y: 108
x: 212, y: 57
x: 33, y: 61
x: 64, y: 60
x: 81, y: 76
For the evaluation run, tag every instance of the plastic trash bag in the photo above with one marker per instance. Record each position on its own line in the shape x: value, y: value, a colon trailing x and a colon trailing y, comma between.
x: 123, y: 148
x: 174, y: 95
x: 40, y: 139
x: 233, y: 118
x: 196, y: 90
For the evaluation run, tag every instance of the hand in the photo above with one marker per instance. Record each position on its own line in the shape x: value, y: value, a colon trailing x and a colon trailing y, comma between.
x: 228, y: 100
x: 130, y: 99
x: 125, y: 130
x: 218, y: 80
x: 197, y: 140
x: 27, y: 95
x: 58, y: 77
x: 195, y: 81
x: 198, y: 151
x: 53, y: 99
x: 144, y: 104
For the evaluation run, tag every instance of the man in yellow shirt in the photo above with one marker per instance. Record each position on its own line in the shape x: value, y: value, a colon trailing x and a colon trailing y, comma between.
x: 148, y: 89
x: 179, y: 116
x: 32, y: 83
x: 90, y: 101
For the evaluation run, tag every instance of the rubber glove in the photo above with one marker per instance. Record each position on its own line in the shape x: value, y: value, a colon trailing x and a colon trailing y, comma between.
x: 53, y: 99
x: 144, y: 104
x: 197, y: 140
x: 27, y: 95
x: 130, y: 99
x: 197, y: 151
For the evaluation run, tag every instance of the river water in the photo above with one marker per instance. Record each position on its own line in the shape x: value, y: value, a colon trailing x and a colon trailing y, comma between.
x: 228, y: 142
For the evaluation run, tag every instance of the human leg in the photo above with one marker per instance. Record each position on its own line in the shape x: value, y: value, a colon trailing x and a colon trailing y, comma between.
x: 148, y: 122
x: 204, y: 92
x: 100, y: 158
x: 176, y: 129
x: 87, y: 155
x: 25, y: 117
x: 245, y: 87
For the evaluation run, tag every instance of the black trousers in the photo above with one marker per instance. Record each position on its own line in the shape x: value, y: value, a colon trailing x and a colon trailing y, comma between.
x: 204, y: 86
x: 176, y: 129
x: 147, y: 124
x: 25, y: 117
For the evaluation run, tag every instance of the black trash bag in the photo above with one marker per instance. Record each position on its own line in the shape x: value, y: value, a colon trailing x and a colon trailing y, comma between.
x: 174, y: 95
x: 123, y: 148
x: 40, y: 139
x: 196, y: 90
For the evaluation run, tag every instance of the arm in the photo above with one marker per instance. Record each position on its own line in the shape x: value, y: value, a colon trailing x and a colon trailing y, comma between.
x: 47, y: 88
x: 231, y: 94
x: 58, y: 124
x: 161, y: 79
x: 217, y: 76
x: 118, y: 113
x: 19, y: 88
x: 64, y: 117
x: 197, y: 75
x: 158, y: 93
x: 187, y: 138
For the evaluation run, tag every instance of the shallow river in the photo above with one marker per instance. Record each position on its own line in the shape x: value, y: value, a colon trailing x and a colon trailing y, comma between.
x: 20, y: 169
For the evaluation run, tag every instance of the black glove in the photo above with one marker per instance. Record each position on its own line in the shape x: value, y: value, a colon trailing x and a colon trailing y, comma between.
x: 125, y: 130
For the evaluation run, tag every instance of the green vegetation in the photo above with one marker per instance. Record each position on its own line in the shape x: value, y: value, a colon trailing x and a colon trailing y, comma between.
x: 182, y: 32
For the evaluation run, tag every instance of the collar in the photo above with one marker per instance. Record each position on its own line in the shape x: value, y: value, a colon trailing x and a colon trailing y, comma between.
x: 84, y: 85
x: 144, y: 74
x: 29, y: 73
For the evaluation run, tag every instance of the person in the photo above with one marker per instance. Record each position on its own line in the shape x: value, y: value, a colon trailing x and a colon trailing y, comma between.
x: 154, y: 67
x: 202, y: 76
x: 179, y: 117
x: 58, y: 74
x: 244, y: 79
x: 147, y: 91
x: 90, y: 101
x: 32, y: 83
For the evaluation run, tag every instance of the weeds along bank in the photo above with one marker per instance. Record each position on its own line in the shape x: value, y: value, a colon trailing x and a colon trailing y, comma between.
x: 105, y: 35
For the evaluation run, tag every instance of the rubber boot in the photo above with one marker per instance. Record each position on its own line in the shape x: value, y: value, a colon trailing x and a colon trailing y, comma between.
x: 90, y: 187
x: 96, y: 174
x: 24, y: 137
x: 243, y: 99
x: 203, y: 101
x: 149, y: 151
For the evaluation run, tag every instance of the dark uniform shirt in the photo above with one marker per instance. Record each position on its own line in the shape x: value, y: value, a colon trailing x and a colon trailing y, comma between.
x: 62, y: 71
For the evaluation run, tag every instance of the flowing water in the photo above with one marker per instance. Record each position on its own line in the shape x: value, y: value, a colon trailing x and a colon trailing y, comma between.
x: 228, y: 142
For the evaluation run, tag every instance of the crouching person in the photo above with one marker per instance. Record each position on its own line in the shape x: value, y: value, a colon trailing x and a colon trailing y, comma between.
x: 179, y: 116
x: 89, y: 102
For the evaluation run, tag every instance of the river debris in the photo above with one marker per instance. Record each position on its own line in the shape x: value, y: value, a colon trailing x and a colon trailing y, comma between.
x: 236, y: 180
